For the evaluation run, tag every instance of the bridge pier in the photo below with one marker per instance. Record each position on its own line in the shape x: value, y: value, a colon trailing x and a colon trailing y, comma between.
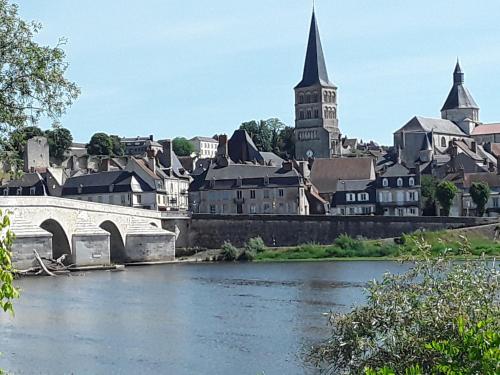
x: 148, y: 243
x: 90, y: 245
x: 28, y: 238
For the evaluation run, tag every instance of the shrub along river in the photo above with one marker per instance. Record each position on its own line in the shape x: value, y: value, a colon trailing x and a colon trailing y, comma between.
x: 190, y: 319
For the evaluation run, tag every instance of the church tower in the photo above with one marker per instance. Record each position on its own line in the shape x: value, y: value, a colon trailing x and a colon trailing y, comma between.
x: 316, y: 125
x: 460, y: 106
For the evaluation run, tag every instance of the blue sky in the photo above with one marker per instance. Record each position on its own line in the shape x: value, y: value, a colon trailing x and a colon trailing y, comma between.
x: 185, y: 68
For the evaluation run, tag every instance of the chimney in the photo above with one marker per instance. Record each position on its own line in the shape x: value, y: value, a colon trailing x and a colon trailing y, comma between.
x: 168, y: 152
x: 151, y: 138
x: 151, y: 162
x: 222, y: 157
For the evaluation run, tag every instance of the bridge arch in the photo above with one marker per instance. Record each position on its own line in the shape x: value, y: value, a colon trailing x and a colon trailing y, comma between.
x: 116, y: 243
x: 60, y: 242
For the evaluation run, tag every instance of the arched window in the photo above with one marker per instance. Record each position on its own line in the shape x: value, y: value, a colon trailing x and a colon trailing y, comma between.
x: 309, y: 114
x: 301, y: 115
x: 332, y: 96
x: 315, y: 97
x: 301, y: 98
x: 443, y: 142
x: 308, y: 98
x: 325, y: 95
x: 333, y: 113
x: 400, y: 182
x: 325, y: 115
x: 411, y: 181
x: 316, y: 113
x: 385, y: 182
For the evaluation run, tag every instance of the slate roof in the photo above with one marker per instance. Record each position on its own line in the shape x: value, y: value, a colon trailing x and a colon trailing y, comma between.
x: 397, y: 170
x: 27, y: 180
x: 242, y: 149
x: 95, y: 183
x: 486, y: 129
x: 426, y: 124
x: 315, y: 71
x: 216, y: 178
x: 325, y: 173
x: 354, y: 185
x: 272, y: 157
x: 204, y: 139
x: 459, y: 96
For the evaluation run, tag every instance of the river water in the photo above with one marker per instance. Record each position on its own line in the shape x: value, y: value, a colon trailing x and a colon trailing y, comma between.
x: 182, y: 319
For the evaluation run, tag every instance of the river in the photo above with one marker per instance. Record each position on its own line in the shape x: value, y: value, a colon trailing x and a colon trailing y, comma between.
x: 182, y: 319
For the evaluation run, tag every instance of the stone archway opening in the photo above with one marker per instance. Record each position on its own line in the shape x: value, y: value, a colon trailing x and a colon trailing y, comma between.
x: 60, y: 242
x: 116, y: 243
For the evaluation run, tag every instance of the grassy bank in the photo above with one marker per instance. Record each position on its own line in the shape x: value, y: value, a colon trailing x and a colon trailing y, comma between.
x: 344, y: 247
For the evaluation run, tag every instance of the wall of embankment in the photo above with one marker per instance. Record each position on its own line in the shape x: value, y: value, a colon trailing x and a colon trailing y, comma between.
x: 210, y: 231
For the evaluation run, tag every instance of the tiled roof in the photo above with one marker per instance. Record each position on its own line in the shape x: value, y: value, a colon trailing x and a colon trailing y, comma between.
x: 204, y: 139
x: 325, y: 173
x: 432, y: 124
x: 486, y: 129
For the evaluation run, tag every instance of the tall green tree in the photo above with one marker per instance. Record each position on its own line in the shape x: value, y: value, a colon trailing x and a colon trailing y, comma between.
x: 271, y: 135
x: 182, y: 147
x: 428, y: 186
x: 118, y: 148
x: 480, y: 193
x: 445, y: 193
x: 100, y: 144
x: 32, y: 79
x: 59, y: 140
x: 286, y: 143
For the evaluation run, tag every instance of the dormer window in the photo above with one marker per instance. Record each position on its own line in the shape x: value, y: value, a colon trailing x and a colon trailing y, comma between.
x: 266, y: 180
x: 19, y: 190
x: 411, y: 181
x: 212, y: 183
x: 443, y: 142
x: 400, y: 182
x: 239, y: 181
x: 385, y: 182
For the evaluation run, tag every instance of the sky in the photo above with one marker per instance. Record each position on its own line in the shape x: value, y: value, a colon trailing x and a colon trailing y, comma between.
x: 192, y: 67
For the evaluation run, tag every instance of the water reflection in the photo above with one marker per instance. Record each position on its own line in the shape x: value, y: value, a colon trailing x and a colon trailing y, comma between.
x: 180, y: 319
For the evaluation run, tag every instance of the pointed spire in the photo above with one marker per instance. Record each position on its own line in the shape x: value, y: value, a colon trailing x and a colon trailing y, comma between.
x: 315, y: 67
x: 459, y: 96
x: 458, y: 75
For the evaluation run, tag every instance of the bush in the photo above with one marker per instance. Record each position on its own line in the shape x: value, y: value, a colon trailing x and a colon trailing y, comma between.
x: 407, y: 317
x: 229, y: 252
x: 348, y: 243
x: 247, y: 256
x: 255, y: 245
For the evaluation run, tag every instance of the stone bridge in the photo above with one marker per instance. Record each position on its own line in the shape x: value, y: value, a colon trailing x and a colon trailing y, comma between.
x: 89, y: 233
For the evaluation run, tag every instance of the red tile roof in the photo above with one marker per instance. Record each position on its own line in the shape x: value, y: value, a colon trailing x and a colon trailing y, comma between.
x: 486, y: 129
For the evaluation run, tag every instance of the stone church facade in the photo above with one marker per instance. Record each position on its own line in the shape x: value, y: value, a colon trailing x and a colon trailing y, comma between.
x: 317, y: 133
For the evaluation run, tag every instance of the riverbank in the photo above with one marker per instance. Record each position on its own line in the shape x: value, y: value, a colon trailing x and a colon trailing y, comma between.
x: 454, y: 243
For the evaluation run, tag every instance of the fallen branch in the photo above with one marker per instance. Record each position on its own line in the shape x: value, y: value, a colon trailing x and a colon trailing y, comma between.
x: 42, y: 265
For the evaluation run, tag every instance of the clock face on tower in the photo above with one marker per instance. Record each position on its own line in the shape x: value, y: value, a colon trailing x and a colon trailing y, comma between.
x: 309, y: 153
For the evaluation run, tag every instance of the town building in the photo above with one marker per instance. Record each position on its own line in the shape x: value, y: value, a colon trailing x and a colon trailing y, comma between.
x: 316, y: 124
x: 241, y: 181
x: 355, y: 197
x: 205, y: 147
x: 398, y: 191
x: 36, y: 155
x: 139, y: 145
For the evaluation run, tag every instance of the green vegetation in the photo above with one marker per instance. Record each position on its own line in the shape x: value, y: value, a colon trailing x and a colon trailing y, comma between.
x: 7, y: 290
x: 480, y: 193
x: 59, y: 140
x: 440, y: 317
x: 229, y: 252
x: 271, y: 135
x: 32, y: 83
x: 441, y: 242
x: 445, y: 193
x: 182, y: 147
x: 428, y: 187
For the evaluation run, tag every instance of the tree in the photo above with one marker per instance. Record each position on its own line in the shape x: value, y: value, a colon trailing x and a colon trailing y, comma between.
x: 480, y: 193
x: 59, y: 140
x: 100, y: 144
x: 405, y: 314
x: 271, y: 135
x: 32, y: 82
x: 182, y: 147
x: 445, y: 193
x: 118, y: 149
x: 428, y: 186
x: 7, y: 290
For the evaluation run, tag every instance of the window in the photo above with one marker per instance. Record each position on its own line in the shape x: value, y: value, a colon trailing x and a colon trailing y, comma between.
x: 352, y: 211
x: 239, y: 194
x: 411, y: 181
x: 123, y: 199
x: 315, y: 98
x: 366, y: 210
x: 350, y: 197
x: 385, y: 182
x: 400, y: 212
x: 400, y: 182
x: 342, y: 211
x: 253, y: 209
x: 266, y: 194
x: 495, y: 202
x: 309, y: 114
x: 33, y: 190
x: 316, y: 113
x: 281, y: 193
x: 139, y: 199
x: 301, y: 115
x: 267, y: 208
x: 413, y: 211
x: 19, y: 190
x: 363, y: 197
x: 308, y: 98
x: 443, y: 142
x: 6, y: 191
x: 212, y: 209
x: 412, y: 196
x: 252, y: 194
